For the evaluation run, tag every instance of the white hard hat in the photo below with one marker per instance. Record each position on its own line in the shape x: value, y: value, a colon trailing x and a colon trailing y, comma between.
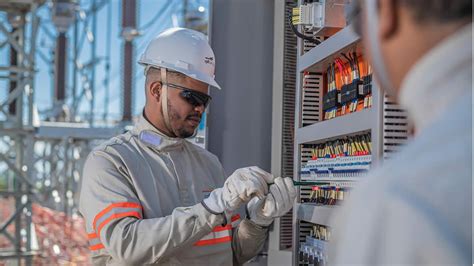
x: 182, y: 50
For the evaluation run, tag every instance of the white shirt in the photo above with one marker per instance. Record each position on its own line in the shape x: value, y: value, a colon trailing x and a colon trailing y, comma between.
x: 416, y: 208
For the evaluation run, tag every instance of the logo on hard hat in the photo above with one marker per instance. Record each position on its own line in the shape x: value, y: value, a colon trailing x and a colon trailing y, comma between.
x: 209, y: 60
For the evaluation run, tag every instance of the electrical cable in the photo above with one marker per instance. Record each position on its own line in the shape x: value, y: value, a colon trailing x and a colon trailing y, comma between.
x: 301, y: 35
x: 343, y: 71
x: 333, y: 66
x: 349, y: 60
x: 356, y: 62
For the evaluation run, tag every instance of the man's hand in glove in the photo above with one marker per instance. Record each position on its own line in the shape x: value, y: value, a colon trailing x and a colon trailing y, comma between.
x: 278, y: 202
x: 239, y: 188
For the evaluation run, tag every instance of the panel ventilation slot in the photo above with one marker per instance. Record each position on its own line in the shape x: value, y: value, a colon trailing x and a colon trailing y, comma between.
x: 395, y: 127
x: 311, y: 98
x: 305, y: 230
x: 307, y: 45
x: 305, y: 157
x: 289, y: 91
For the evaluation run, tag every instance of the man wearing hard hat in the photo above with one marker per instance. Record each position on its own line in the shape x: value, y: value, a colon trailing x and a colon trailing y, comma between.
x: 151, y: 197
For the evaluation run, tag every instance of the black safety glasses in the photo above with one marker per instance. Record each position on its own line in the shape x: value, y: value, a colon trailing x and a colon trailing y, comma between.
x: 193, y: 97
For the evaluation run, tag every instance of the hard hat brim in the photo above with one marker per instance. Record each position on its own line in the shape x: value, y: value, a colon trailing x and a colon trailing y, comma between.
x: 189, y: 73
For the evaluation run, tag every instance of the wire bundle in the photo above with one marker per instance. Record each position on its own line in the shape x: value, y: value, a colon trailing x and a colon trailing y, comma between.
x: 353, y: 91
x: 348, y: 146
x: 331, y: 79
x: 327, y: 195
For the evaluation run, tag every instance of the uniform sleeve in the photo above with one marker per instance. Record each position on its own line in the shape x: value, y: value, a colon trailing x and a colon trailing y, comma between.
x: 115, y: 223
x: 248, y: 241
x: 248, y: 238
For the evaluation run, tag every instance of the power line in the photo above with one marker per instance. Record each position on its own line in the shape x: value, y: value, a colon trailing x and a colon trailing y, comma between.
x: 157, y: 25
x: 158, y: 14
x: 107, y: 64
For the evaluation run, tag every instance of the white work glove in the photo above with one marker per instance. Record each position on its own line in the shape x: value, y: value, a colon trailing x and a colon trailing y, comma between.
x: 278, y: 202
x: 239, y: 188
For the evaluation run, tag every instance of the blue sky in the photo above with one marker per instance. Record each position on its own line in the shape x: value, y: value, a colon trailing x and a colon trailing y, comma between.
x: 147, y: 9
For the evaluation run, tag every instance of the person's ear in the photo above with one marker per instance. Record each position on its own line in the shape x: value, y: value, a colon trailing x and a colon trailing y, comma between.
x: 155, y: 90
x: 388, y: 18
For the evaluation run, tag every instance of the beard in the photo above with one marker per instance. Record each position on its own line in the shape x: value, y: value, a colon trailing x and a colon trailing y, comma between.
x: 184, y: 133
x: 178, y: 124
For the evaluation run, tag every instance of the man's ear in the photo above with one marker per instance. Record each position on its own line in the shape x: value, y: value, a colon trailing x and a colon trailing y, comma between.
x: 155, y: 90
x: 388, y: 18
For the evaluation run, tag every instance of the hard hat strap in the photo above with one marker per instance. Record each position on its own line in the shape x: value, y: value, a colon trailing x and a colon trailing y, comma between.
x: 147, y: 67
x: 164, y: 102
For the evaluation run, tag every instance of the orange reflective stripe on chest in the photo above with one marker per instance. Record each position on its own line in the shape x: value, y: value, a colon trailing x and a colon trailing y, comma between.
x: 96, y: 247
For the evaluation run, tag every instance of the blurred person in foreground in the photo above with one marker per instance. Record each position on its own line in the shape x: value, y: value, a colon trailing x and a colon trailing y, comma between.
x: 416, y: 208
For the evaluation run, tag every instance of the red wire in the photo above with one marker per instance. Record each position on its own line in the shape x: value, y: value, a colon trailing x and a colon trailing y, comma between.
x: 342, y: 69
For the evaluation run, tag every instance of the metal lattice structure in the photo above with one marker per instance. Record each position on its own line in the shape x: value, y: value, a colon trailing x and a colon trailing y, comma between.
x: 16, y: 125
x: 42, y: 151
x: 40, y: 161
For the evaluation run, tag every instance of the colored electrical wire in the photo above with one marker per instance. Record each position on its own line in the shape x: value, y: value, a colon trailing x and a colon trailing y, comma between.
x: 299, y: 34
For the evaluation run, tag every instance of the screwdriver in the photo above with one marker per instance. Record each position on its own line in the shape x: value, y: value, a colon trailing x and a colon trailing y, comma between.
x: 298, y: 183
x: 307, y: 183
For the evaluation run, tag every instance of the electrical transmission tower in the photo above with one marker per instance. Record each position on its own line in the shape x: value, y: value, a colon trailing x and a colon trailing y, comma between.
x: 41, y: 157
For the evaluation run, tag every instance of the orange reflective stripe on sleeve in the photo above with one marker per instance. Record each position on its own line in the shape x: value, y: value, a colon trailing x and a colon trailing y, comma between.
x: 96, y: 247
x: 220, y: 234
x: 235, y: 218
x: 94, y: 242
x: 222, y: 228
x: 93, y: 237
x: 113, y: 206
x: 213, y: 241
x: 228, y: 226
x: 117, y: 216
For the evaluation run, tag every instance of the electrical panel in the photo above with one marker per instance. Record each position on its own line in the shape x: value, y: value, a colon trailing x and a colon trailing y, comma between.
x: 344, y: 124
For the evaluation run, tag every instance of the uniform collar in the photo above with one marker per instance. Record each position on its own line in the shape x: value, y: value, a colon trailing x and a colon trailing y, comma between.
x: 154, y: 138
x: 438, y: 79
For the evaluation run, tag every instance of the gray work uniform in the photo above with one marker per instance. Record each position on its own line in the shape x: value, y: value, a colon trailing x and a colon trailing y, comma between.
x: 141, y: 194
